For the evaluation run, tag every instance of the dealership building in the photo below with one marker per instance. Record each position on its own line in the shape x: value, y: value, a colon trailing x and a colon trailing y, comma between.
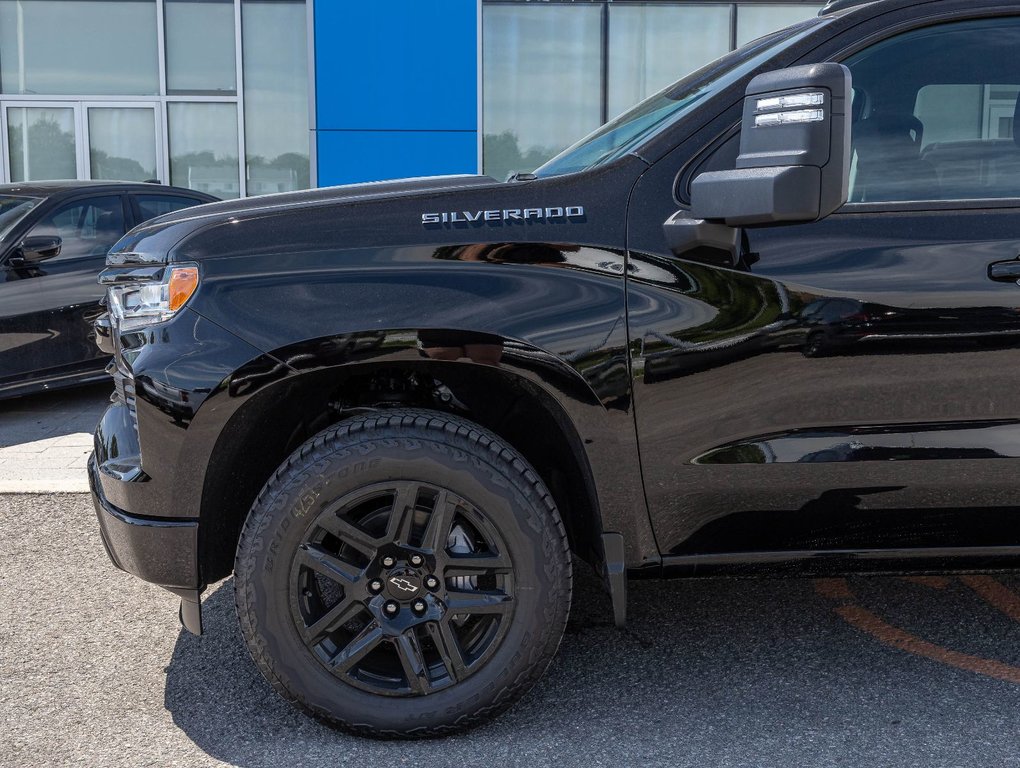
x: 247, y: 97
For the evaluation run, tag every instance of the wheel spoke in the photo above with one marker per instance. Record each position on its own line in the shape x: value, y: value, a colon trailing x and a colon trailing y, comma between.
x: 330, y: 566
x: 402, y: 516
x: 437, y: 532
x: 448, y: 646
x: 331, y: 620
x: 476, y: 564
x: 413, y: 662
x: 477, y: 602
x: 362, y: 644
x: 349, y: 533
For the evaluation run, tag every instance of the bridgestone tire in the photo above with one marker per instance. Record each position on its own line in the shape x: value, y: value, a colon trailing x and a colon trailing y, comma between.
x: 465, y: 462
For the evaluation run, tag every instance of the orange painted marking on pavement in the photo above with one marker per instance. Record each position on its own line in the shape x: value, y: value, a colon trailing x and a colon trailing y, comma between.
x: 934, y: 582
x: 996, y: 593
x: 836, y: 589
x: 886, y: 633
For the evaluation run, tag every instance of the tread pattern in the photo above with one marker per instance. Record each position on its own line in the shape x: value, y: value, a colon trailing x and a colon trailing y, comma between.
x: 443, y: 432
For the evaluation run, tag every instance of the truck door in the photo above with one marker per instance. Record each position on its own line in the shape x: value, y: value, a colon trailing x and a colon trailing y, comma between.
x: 852, y: 386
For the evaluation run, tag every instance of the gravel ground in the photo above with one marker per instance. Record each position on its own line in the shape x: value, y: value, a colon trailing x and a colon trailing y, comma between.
x: 94, y: 670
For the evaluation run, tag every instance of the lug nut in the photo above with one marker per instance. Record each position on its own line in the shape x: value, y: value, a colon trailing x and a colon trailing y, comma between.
x: 375, y: 586
x: 391, y: 608
x: 419, y: 606
x: 417, y: 560
x: 388, y: 562
x: 431, y: 582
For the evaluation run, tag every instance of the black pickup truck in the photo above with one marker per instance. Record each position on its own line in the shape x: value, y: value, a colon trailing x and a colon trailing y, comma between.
x: 766, y: 321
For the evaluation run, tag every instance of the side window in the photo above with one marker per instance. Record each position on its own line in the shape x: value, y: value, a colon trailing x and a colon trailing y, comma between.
x: 933, y: 114
x: 151, y: 206
x: 86, y: 227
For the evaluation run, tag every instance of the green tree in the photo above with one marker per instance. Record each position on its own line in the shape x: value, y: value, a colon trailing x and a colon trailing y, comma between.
x: 502, y: 153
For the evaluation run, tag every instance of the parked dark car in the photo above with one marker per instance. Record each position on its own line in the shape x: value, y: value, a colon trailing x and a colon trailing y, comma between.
x: 394, y: 410
x: 54, y: 236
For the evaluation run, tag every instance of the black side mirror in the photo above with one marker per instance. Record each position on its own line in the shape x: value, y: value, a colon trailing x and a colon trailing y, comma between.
x: 36, y: 248
x: 794, y: 161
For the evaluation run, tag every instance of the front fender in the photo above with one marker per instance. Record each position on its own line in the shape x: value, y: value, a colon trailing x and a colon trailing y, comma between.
x: 601, y: 436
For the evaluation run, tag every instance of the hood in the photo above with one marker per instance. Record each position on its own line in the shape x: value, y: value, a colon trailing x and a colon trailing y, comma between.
x: 152, y: 241
x: 366, y: 191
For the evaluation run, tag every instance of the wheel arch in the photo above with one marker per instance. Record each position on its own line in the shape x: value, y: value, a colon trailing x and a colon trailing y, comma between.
x: 325, y: 380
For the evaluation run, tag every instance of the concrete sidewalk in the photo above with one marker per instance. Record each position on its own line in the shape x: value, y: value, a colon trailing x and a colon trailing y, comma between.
x: 45, y: 439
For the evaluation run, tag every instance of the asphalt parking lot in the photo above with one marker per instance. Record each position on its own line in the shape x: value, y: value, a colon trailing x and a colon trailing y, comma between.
x: 95, y: 670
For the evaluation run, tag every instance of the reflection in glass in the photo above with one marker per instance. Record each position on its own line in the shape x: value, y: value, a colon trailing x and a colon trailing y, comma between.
x: 542, y: 84
x: 89, y: 47
x: 41, y: 143
x: 274, y: 36
x: 645, y: 55
x: 753, y: 21
x: 86, y: 228
x: 12, y: 210
x: 200, y: 46
x: 122, y: 143
x: 203, y: 147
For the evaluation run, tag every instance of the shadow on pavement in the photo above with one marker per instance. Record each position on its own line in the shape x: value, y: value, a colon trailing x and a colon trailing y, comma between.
x: 750, y: 672
x: 52, y: 414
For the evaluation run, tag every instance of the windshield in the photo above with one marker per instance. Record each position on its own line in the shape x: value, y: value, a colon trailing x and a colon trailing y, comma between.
x: 618, y: 137
x: 13, y: 210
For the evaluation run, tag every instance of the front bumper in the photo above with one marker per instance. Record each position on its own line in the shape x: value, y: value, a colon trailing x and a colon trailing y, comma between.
x: 162, y: 551
x: 158, y: 550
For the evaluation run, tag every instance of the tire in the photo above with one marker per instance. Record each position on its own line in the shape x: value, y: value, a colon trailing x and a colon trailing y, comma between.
x: 424, y: 512
x: 815, y: 345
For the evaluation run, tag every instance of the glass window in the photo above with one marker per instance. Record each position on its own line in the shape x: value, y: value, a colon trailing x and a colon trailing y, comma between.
x: 13, y: 210
x: 203, y: 147
x: 658, y: 112
x: 122, y: 143
x: 936, y: 114
x: 644, y: 56
x: 40, y: 141
x: 200, y: 54
x: 151, y: 206
x: 83, y: 47
x: 85, y: 227
x: 754, y: 21
x: 542, y: 82
x: 275, y: 55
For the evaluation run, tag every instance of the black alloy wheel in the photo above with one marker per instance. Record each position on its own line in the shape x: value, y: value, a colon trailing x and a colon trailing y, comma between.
x: 403, y: 574
x: 383, y: 603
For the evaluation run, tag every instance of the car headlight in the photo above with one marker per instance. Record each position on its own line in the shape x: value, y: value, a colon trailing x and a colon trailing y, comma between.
x: 135, y: 304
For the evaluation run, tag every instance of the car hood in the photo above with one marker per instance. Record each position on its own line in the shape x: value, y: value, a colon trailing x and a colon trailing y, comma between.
x: 152, y: 241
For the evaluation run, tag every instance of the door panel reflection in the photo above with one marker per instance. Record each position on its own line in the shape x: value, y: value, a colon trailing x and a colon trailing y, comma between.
x: 861, y: 351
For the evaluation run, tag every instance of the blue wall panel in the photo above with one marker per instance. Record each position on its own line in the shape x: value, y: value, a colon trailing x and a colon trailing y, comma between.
x: 388, y: 66
x: 349, y: 156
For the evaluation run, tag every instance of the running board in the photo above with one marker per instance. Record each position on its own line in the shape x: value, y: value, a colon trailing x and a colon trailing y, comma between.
x: 869, y: 555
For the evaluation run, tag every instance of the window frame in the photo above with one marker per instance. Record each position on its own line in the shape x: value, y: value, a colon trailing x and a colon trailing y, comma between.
x: 883, y: 34
x: 162, y: 98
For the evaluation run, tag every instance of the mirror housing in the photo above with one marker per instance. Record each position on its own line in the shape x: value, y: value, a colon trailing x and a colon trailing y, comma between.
x: 794, y: 162
x: 684, y: 234
x: 36, y: 248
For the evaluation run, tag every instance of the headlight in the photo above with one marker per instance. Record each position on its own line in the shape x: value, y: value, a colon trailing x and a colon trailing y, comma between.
x: 137, y: 304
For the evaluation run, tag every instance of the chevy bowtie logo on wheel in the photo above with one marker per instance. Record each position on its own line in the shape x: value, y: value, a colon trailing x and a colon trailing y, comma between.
x: 403, y: 584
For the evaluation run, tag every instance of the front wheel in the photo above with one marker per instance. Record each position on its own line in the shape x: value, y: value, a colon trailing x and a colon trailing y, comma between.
x: 403, y: 574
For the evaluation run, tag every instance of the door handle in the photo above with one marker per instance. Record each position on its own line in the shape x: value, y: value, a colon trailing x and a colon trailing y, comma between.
x: 1005, y: 271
